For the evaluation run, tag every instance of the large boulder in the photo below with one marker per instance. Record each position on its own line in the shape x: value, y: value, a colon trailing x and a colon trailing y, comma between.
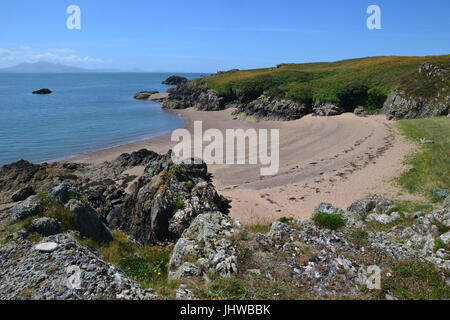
x: 273, y: 109
x: 46, y: 226
x: 325, y: 109
x: 87, y: 221
x: 23, y: 194
x: 205, y: 247
x: 68, y: 271
x: 63, y: 193
x: 28, y: 208
x: 375, y: 203
x: 167, y: 198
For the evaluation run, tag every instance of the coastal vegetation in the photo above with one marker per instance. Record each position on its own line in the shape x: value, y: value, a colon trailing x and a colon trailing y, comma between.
x: 348, y: 83
x: 430, y: 168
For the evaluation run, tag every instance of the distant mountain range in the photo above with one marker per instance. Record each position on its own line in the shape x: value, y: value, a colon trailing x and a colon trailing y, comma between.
x: 47, y: 67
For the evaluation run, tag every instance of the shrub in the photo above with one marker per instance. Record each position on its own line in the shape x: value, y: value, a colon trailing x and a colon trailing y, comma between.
x: 376, y: 97
x: 352, y: 95
x: 329, y: 221
x: 285, y: 220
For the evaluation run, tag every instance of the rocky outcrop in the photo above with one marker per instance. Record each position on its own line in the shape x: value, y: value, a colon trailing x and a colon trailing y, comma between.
x: 175, y: 80
x: 273, y: 109
x: 196, y: 95
x: 46, y: 226
x: 22, y: 177
x: 422, y: 95
x: 325, y: 109
x: 65, y: 271
x: 27, y: 208
x: 42, y: 91
x: 144, y: 95
x: 87, y: 221
x: 167, y: 198
x: 206, y: 247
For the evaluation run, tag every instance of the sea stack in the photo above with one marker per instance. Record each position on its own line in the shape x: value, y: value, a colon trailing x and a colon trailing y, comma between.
x: 42, y: 91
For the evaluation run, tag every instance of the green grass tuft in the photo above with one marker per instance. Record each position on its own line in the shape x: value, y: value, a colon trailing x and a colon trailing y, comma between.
x: 329, y: 221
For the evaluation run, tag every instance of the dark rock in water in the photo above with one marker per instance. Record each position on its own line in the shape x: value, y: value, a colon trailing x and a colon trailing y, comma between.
x: 46, y: 226
x: 87, y: 221
x: 167, y: 198
x: 23, y: 194
x: 174, y: 80
x: 144, y: 95
x: 42, y: 91
x: 28, y: 208
x: 326, y: 109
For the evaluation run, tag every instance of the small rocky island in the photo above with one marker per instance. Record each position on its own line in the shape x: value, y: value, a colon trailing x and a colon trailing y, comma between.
x: 174, y: 80
x: 42, y: 91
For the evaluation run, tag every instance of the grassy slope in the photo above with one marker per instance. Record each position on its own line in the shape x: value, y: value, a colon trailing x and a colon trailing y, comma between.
x: 320, y: 80
x: 431, y: 164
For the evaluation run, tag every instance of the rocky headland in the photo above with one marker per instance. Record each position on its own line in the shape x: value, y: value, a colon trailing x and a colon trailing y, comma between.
x: 44, y: 236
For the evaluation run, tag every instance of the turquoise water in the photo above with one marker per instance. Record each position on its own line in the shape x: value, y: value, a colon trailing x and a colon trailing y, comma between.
x: 85, y: 112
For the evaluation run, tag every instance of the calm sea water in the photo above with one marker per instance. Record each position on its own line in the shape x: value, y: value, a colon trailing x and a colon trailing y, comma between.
x: 85, y: 112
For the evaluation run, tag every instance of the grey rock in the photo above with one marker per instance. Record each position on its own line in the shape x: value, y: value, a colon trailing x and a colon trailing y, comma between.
x: 325, y: 109
x: 447, y: 202
x: 46, y: 246
x: 87, y: 221
x: 144, y: 95
x: 383, y: 218
x: 63, y: 193
x: 28, y: 208
x: 206, y: 241
x: 360, y: 112
x: 279, y: 230
x: 46, y: 226
x: 186, y: 270
x: 445, y: 237
x: 28, y: 273
x: 183, y: 293
x: 371, y: 203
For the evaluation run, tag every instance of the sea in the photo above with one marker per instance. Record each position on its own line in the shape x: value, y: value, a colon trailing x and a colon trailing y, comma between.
x: 85, y: 112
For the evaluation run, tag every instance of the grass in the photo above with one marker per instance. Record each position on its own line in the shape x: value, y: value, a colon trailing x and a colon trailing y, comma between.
x: 430, y: 167
x: 329, y: 221
x: 146, y: 265
x: 311, y: 82
x: 413, y: 280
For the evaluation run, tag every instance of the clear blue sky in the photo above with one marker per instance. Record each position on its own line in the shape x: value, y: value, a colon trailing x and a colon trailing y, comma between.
x: 206, y: 36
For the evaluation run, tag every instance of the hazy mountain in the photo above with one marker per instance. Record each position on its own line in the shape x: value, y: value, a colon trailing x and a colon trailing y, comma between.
x: 47, y: 67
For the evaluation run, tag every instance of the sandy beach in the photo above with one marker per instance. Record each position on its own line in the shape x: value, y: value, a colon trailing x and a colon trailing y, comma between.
x: 322, y: 159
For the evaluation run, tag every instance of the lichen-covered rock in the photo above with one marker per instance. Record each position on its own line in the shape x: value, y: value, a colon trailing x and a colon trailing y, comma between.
x: 383, y: 218
x: 371, y: 203
x: 446, y: 203
x: 278, y: 231
x: 46, y: 226
x: 28, y: 208
x: 87, y: 221
x: 63, y: 193
x: 267, y: 108
x: 70, y: 271
x: 421, y: 95
x: 167, y: 198
x: 325, y: 109
x: 206, y: 246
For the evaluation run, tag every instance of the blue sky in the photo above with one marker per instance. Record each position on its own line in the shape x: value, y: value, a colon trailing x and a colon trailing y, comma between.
x: 207, y: 36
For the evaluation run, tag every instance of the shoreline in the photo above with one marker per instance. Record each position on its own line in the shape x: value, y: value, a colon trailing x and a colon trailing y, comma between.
x: 322, y: 159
